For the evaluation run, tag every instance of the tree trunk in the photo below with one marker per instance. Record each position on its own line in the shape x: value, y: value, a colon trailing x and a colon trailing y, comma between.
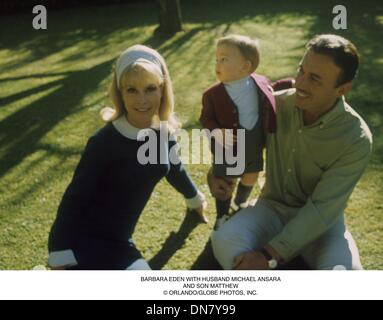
x: 170, y: 16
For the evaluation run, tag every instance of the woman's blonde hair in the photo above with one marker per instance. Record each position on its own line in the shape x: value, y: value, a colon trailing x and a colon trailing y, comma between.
x: 247, y: 46
x: 166, y: 111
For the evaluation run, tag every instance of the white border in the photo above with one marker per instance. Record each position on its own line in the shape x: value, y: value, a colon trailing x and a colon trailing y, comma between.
x: 116, y: 285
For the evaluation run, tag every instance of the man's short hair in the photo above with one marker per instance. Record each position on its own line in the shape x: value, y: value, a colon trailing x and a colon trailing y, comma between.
x: 248, y: 47
x: 342, y: 51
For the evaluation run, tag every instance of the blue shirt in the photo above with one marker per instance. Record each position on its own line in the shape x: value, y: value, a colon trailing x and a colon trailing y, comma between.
x: 244, y: 94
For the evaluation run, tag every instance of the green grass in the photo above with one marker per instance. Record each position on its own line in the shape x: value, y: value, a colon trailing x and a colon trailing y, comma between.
x: 54, y: 83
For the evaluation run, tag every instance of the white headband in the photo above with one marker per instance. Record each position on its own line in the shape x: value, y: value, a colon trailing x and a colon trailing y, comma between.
x: 131, y: 56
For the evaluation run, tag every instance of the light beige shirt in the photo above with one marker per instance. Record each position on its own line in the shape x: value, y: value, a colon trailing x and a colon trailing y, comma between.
x: 312, y: 170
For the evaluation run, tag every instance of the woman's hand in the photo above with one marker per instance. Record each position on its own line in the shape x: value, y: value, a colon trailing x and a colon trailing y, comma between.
x: 198, y: 204
x: 200, y: 212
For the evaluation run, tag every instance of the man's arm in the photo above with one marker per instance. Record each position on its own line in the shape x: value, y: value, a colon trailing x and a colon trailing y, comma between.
x: 283, y: 84
x: 323, y: 208
x: 327, y: 202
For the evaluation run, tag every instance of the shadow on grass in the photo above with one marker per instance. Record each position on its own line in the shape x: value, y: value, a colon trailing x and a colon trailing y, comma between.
x: 26, y: 93
x: 22, y: 130
x: 70, y: 28
x: 175, y: 241
x: 206, y: 260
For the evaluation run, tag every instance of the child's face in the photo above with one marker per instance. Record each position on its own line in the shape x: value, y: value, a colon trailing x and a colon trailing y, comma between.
x: 231, y: 64
x: 141, y: 93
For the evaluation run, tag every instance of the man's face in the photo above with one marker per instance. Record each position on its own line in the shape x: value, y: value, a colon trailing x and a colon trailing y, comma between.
x: 230, y: 63
x: 316, y: 82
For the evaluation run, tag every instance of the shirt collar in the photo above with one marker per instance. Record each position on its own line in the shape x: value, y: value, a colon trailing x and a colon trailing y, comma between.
x: 238, y: 83
x: 337, y: 110
x: 329, y: 116
x: 124, y: 127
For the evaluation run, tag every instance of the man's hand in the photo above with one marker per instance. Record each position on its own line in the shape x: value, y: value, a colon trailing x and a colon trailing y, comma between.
x: 220, y: 188
x: 253, y: 260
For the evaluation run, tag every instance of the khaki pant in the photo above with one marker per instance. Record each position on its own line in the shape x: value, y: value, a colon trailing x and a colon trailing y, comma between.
x: 252, y: 228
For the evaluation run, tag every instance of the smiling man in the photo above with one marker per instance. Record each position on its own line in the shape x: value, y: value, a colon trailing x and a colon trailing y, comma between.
x: 314, y: 161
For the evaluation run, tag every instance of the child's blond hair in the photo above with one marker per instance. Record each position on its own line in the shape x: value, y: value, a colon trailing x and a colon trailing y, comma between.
x: 247, y: 46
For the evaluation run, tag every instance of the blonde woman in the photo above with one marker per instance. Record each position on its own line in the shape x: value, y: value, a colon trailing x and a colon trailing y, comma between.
x: 111, y: 186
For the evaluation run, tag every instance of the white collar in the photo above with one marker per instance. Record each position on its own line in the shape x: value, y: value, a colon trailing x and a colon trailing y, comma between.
x: 124, y: 127
x: 238, y: 83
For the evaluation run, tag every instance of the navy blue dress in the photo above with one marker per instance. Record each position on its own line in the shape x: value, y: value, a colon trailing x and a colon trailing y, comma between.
x: 102, y: 204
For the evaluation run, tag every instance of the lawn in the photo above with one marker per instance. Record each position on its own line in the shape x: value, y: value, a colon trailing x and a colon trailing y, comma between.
x: 53, y: 84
